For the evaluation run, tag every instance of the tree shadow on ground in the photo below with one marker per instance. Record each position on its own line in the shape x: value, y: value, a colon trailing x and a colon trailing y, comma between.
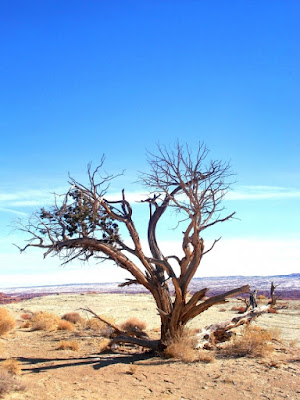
x: 37, y: 365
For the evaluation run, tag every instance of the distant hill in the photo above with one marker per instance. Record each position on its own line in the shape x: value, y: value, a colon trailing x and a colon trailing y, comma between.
x: 288, y: 287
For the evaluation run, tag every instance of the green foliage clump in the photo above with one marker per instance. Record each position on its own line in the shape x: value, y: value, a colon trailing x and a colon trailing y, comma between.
x: 79, y: 216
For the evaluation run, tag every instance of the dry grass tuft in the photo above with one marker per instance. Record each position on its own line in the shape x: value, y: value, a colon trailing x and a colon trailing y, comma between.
x: 7, y: 321
x: 26, y: 324
x: 68, y: 345
x: 101, y: 327
x: 182, y: 347
x: 44, y: 321
x: 74, y: 318
x: 133, y: 325
x: 206, y: 356
x: 8, y: 383
x: 254, y: 342
x: 104, y: 345
x: 293, y: 343
x: 65, y: 326
x: 12, y: 366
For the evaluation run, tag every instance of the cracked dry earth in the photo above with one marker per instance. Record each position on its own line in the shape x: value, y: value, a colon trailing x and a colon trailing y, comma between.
x: 127, y: 373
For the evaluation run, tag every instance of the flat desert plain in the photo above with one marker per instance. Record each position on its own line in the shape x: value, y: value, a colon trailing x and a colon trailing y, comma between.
x: 130, y: 372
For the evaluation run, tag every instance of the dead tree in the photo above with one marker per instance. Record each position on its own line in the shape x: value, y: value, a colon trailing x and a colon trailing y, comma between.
x: 253, y: 302
x: 85, y: 223
x: 273, y: 298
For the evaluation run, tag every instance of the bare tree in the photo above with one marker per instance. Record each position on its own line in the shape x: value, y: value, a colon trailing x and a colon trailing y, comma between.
x: 84, y: 223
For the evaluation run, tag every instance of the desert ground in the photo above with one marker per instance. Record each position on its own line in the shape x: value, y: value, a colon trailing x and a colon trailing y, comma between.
x: 129, y: 372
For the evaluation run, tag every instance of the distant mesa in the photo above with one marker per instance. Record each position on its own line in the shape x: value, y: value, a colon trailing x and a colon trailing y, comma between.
x: 288, y: 287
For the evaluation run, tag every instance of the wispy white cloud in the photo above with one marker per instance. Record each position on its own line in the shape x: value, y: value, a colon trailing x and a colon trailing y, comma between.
x: 263, y: 193
x: 129, y: 196
x: 27, y: 198
x: 7, y: 210
x: 254, y: 192
x: 12, y: 202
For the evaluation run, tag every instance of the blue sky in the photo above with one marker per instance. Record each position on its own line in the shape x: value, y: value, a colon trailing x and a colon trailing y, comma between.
x: 79, y: 79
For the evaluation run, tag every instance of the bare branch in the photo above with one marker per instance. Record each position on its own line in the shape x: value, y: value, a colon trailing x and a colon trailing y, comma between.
x: 129, y: 282
x: 219, y: 299
x: 83, y: 224
x: 212, y: 246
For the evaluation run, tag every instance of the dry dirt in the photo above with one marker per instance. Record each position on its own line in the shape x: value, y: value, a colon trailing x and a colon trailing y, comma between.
x: 128, y: 373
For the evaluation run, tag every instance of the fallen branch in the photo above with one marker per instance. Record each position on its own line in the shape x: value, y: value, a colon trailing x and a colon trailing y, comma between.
x: 148, y: 343
x: 220, y: 332
x: 139, y: 338
x: 116, y: 328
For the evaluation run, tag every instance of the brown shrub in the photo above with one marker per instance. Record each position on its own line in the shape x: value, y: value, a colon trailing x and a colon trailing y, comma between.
x: 182, y: 347
x: 12, y: 366
x: 74, y: 318
x: 8, y: 383
x: 7, y: 321
x: 104, y: 345
x: 44, y: 321
x: 26, y: 316
x: 26, y: 324
x: 254, y: 342
x: 68, y: 345
x: 275, y: 333
x: 133, y: 325
x: 64, y: 325
x: 101, y: 327
x: 222, y: 309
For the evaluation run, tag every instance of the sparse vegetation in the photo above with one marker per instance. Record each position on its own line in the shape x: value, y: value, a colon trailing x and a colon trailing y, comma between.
x: 101, y: 327
x: 182, y: 347
x: 12, y: 366
x: 104, y: 345
x: 27, y: 316
x: 62, y: 363
x: 26, y: 324
x: 68, y: 345
x: 64, y: 325
x: 8, y: 383
x: 206, y: 356
x: 254, y: 342
x: 44, y: 321
x: 74, y: 318
x: 7, y: 321
x: 133, y: 325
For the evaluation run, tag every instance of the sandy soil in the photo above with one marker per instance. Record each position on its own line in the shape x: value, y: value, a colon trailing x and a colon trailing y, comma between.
x: 128, y: 373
